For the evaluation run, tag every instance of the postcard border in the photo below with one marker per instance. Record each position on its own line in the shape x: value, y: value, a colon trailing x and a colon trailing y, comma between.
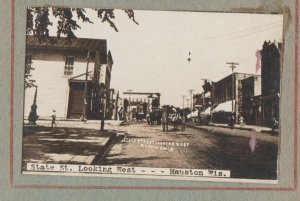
x: 11, y: 137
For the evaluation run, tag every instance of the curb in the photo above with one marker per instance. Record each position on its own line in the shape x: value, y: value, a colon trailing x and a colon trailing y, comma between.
x: 103, y: 149
x: 240, y: 128
x: 249, y: 129
x: 221, y: 133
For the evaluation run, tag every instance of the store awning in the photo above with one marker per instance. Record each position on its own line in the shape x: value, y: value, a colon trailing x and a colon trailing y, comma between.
x: 206, y: 112
x: 193, y: 114
x: 224, y: 107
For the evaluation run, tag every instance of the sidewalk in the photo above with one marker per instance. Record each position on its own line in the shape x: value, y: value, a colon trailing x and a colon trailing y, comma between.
x: 251, y: 132
x: 259, y: 129
x: 69, y: 143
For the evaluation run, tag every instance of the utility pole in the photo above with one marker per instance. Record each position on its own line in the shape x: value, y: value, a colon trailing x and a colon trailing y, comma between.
x: 183, y: 97
x: 84, y: 116
x: 232, y: 65
x: 187, y: 101
x: 183, y: 112
x: 117, y: 106
x: 129, y: 91
x: 191, y: 97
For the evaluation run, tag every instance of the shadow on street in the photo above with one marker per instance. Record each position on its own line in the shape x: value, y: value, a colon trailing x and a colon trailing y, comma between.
x: 60, y: 145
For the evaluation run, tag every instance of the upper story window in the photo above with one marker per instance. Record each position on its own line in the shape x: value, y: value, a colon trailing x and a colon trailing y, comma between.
x: 28, y: 63
x: 69, y: 65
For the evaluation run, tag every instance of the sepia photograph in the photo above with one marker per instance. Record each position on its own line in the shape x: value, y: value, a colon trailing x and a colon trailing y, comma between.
x: 152, y: 94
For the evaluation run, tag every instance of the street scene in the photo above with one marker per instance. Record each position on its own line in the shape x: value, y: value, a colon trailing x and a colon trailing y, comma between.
x: 191, y: 96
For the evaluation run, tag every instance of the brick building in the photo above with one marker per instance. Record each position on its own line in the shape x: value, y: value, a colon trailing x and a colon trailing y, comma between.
x: 251, y: 94
x: 226, y: 97
x: 270, y: 79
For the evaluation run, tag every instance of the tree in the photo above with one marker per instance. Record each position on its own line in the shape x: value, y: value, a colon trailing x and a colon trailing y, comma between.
x: 38, y: 20
x: 38, y: 23
x: 28, y: 67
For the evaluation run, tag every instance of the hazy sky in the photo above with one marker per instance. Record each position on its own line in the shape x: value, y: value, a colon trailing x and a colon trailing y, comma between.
x: 152, y: 56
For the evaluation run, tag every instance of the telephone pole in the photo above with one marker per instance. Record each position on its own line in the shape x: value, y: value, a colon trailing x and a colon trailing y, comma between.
x: 232, y: 65
x: 129, y: 91
x: 187, y: 101
x: 191, y: 97
x: 85, y: 104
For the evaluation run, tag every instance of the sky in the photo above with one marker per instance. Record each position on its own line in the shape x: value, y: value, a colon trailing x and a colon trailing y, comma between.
x: 152, y: 56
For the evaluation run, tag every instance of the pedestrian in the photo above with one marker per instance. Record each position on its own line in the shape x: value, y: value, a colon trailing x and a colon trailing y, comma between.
x: 164, y: 121
x: 183, y: 123
x: 53, y: 116
x: 120, y: 114
x: 241, y: 120
x: 174, y: 118
x: 231, y: 120
x: 274, y: 125
x: 148, y: 117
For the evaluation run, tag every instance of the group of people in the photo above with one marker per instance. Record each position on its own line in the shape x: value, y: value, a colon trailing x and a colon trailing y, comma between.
x: 231, y: 122
x: 174, y: 118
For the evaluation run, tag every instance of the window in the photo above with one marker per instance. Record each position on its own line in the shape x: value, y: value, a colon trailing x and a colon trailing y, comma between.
x: 28, y: 62
x: 69, y: 64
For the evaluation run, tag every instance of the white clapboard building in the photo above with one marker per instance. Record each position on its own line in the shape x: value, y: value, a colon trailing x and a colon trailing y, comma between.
x: 59, y: 70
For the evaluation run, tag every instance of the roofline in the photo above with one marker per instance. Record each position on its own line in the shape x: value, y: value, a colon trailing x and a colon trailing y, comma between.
x: 54, y: 46
x: 59, y: 48
x: 235, y: 74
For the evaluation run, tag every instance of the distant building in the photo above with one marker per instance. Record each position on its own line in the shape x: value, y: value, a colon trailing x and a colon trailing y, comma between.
x: 201, y: 101
x: 111, y: 104
x: 140, y: 103
x: 60, y: 72
x: 270, y: 79
x: 223, y: 96
x: 251, y: 94
x: 197, y: 101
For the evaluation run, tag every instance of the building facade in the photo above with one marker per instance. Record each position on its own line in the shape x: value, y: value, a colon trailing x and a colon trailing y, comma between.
x: 270, y: 79
x: 140, y: 103
x: 226, y: 97
x: 67, y: 77
x: 197, y: 101
x: 251, y: 94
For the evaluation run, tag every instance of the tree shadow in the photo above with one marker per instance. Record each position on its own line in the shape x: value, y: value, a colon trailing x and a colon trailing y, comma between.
x: 61, y: 145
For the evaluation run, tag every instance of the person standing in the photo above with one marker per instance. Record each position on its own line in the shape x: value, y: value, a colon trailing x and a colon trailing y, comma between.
x: 183, y: 123
x: 175, y: 120
x: 231, y: 120
x: 241, y: 120
x: 53, y: 116
x: 274, y: 125
x: 120, y: 114
x: 164, y: 121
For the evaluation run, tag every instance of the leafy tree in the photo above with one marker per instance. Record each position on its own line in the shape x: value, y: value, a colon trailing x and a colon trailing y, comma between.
x: 28, y: 67
x: 38, y: 22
